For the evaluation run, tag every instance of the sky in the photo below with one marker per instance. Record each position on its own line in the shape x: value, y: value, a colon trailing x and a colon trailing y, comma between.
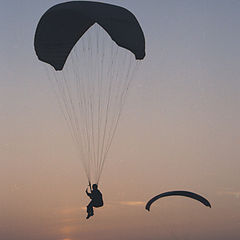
x: 179, y: 130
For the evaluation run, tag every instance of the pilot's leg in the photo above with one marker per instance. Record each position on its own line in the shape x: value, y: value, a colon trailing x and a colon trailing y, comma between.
x: 90, y: 209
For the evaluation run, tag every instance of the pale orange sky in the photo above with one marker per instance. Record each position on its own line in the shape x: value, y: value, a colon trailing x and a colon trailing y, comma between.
x: 179, y: 130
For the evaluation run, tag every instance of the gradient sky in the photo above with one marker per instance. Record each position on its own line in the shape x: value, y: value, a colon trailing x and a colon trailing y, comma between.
x: 179, y: 130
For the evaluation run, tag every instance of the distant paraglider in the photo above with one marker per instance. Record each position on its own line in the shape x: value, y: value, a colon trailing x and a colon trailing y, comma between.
x: 178, y: 193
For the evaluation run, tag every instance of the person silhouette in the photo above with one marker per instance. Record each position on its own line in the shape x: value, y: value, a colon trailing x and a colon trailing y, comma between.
x: 96, y: 199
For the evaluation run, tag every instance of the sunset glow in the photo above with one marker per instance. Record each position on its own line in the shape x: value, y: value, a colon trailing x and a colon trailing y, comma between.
x: 179, y: 130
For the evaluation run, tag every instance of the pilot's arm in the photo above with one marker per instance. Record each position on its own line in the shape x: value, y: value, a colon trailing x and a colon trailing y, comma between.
x: 89, y: 194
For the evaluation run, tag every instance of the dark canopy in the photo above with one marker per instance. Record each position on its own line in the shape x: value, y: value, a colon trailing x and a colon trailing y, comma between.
x: 63, y: 25
x: 178, y: 193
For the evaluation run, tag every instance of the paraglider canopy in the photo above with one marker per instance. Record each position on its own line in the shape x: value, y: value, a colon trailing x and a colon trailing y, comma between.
x: 96, y: 65
x: 178, y: 193
x: 64, y: 24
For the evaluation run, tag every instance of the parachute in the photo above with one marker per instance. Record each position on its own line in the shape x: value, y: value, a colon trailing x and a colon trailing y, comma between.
x: 64, y: 24
x: 95, y: 50
x: 178, y: 193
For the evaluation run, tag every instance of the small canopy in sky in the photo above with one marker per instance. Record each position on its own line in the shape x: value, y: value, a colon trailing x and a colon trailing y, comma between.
x: 178, y: 193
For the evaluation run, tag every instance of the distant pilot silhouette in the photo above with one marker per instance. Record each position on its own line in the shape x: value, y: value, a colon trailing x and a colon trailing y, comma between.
x: 97, y: 200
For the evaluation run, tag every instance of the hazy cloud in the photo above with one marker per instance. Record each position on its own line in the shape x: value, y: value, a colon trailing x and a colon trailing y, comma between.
x: 231, y: 193
x: 69, y: 211
x: 132, y: 203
